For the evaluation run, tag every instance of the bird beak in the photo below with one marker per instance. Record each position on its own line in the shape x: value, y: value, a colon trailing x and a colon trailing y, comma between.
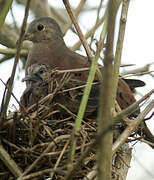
x: 32, y: 78
x: 27, y: 78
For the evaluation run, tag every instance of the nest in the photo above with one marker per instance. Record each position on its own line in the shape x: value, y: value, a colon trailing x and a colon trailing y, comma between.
x: 38, y: 138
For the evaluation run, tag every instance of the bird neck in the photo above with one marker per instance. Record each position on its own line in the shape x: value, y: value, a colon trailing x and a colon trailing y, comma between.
x: 54, y: 45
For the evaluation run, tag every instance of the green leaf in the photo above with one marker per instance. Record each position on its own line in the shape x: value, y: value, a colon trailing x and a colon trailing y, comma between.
x: 5, y: 6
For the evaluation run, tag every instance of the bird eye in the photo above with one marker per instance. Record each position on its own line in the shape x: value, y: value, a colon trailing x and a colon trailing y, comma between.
x: 40, y: 27
x: 41, y: 71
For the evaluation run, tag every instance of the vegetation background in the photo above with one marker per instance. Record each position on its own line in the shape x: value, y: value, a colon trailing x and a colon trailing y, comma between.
x: 137, y: 49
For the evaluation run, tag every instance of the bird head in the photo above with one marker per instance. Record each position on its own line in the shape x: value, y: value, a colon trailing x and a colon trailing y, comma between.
x: 43, y: 29
x: 37, y: 73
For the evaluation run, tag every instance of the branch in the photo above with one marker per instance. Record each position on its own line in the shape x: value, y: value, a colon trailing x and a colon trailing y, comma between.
x: 122, y: 162
x: 9, y: 51
x: 106, y: 103
x: 42, y: 155
x: 8, y: 36
x: 89, y: 81
x: 38, y: 7
x: 6, y: 4
x: 126, y: 112
x: 81, y: 36
x: 97, y: 140
x: 117, y: 60
x: 11, y: 79
x: 132, y: 127
x: 138, y: 71
x: 9, y: 162
x: 89, y: 33
x: 76, y: 12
